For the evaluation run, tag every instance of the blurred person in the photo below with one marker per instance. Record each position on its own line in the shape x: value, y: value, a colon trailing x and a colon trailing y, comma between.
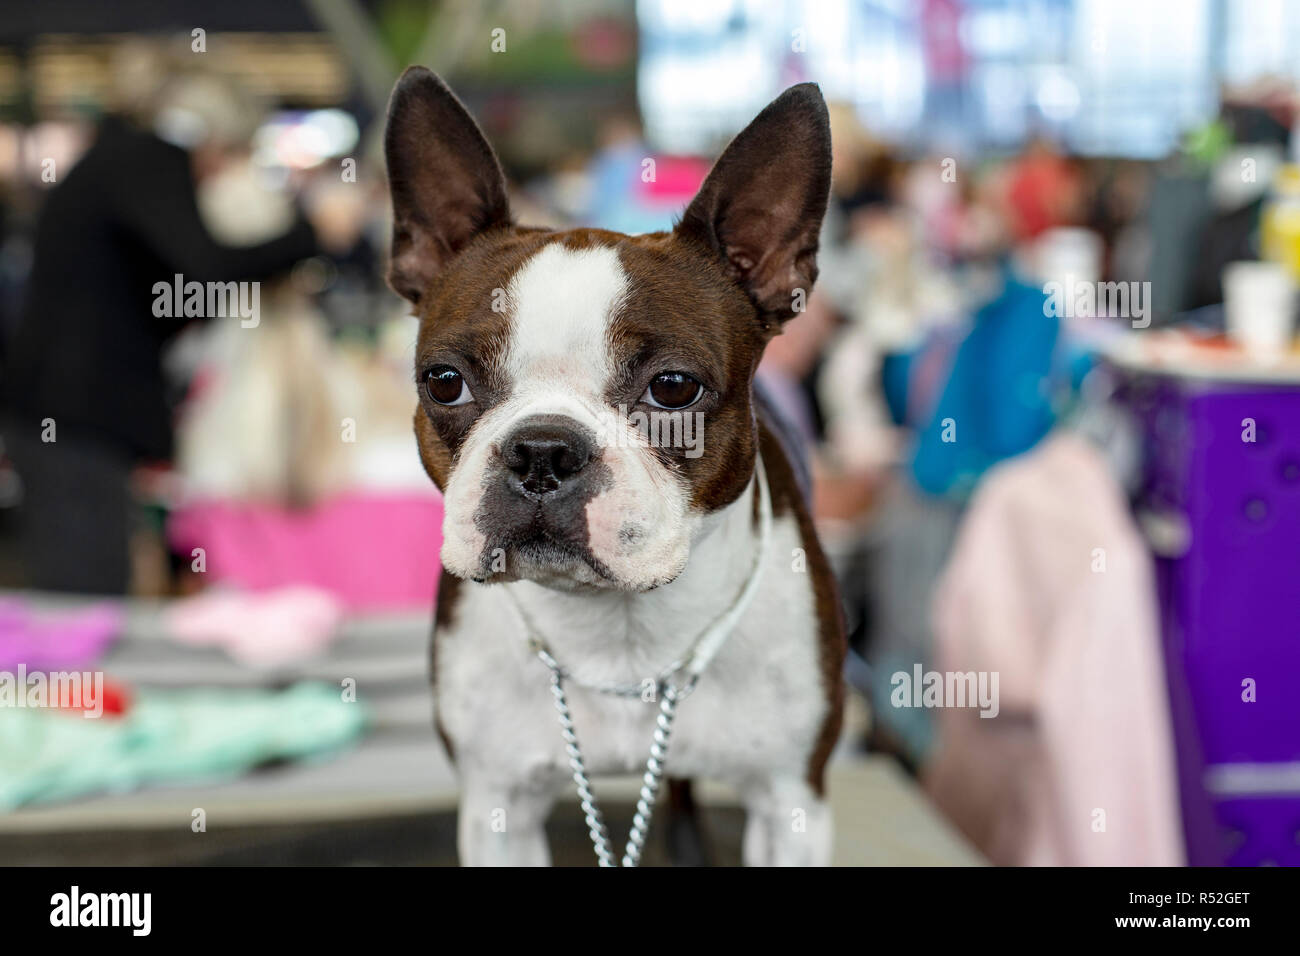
x: 895, y: 298
x: 85, y: 390
x: 1117, y: 206
x: 351, y: 225
x: 959, y: 215
x: 857, y: 235
x: 864, y: 171
x: 1043, y: 189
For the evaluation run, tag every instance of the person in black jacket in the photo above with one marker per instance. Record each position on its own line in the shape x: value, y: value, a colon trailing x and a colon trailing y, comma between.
x: 84, y: 385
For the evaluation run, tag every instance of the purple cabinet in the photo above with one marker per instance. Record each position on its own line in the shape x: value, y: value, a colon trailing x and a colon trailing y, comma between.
x: 1230, y: 599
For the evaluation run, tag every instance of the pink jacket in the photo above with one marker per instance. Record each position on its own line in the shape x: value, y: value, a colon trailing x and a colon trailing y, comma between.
x: 1050, y: 585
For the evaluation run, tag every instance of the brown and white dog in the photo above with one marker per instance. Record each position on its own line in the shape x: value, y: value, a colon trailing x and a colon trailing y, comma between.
x: 536, y: 350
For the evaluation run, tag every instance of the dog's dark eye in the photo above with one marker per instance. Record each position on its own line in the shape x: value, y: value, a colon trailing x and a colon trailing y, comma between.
x: 446, y: 386
x: 673, y: 390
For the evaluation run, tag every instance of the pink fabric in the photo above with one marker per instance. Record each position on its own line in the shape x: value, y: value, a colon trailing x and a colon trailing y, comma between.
x: 371, y: 551
x: 1084, y: 723
x: 60, y: 639
x: 264, y: 629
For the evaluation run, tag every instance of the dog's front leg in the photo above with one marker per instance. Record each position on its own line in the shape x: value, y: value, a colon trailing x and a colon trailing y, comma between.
x: 787, y: 824
x: 502, y: 824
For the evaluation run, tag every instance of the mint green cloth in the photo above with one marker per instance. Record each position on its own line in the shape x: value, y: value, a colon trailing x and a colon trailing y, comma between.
x: 168, y: 737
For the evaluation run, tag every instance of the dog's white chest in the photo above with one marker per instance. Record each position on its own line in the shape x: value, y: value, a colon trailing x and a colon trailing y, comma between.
x: 758, y: 707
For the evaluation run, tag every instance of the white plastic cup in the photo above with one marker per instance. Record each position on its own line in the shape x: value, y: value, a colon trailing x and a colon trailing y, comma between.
x: 1259, y: 307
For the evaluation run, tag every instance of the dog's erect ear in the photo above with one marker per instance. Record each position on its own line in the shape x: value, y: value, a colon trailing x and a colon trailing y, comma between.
x: 446, y: 183
x: 761, y: 207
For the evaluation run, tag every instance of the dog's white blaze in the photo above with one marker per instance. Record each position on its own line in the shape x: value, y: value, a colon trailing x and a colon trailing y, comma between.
x: 563, y: 301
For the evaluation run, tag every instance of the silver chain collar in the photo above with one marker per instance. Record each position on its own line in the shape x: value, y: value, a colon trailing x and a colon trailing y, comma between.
x: 613, y: 688
x: 669, y: 696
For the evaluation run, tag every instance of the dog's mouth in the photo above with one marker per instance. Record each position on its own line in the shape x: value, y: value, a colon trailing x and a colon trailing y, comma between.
x: 539, y: 552
x: 547, y: 539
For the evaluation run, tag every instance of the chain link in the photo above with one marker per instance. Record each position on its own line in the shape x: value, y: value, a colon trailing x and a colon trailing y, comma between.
x: 613, y: 688
x: 590, y: 809
x: 670, y: 696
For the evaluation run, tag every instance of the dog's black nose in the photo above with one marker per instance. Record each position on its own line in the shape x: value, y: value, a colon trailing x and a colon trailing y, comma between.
x: 544, y: 453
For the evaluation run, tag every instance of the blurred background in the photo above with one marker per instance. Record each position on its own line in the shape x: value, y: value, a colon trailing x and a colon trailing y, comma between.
x: 1047, y: 381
